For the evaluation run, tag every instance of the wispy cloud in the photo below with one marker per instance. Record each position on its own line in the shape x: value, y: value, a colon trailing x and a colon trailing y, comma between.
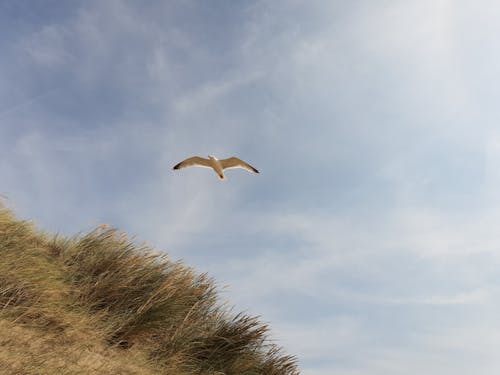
x: 208, y: 93
x: 47, y: 47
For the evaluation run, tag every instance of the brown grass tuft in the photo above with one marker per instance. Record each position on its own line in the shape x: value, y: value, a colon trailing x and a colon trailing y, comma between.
x: 76, y: 305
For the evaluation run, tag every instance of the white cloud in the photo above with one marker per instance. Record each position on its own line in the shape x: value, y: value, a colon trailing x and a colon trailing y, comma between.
x: 47, y: 47
x: 210, y: 92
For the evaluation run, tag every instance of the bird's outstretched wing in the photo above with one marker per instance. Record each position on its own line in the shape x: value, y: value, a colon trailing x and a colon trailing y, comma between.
x: 193, y: 161
x: 237, y: 163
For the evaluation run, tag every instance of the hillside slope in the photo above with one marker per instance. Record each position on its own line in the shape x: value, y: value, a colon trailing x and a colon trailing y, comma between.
x: 101, y: 304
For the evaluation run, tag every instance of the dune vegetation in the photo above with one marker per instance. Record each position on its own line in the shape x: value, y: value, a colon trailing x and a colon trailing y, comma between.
x: 99, y: 303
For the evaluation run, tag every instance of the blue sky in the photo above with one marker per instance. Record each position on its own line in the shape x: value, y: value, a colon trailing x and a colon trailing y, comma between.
x: 370, y: 239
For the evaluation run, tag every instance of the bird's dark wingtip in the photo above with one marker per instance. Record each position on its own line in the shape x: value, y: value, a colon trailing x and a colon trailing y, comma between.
x: 176, y: 166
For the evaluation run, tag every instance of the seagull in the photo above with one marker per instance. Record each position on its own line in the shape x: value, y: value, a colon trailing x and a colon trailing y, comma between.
x: 217, y: 165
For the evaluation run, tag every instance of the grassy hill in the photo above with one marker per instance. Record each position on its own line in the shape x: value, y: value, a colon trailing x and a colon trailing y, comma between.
x: 101, y: 304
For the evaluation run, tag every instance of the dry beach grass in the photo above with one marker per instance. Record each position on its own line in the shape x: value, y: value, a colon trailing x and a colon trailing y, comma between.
x: 101, y: 304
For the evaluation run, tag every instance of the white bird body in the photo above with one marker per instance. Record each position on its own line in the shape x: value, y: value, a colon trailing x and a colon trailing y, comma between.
x: 217, y: 165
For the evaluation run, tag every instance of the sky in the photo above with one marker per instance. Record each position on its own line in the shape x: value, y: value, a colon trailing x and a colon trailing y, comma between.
x: 369, y: 241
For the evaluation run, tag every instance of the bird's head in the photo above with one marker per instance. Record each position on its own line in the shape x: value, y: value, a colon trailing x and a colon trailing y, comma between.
x: 211, y: 157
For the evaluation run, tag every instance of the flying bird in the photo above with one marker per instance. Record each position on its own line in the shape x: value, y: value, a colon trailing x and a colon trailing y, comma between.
x: 217, y: 165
